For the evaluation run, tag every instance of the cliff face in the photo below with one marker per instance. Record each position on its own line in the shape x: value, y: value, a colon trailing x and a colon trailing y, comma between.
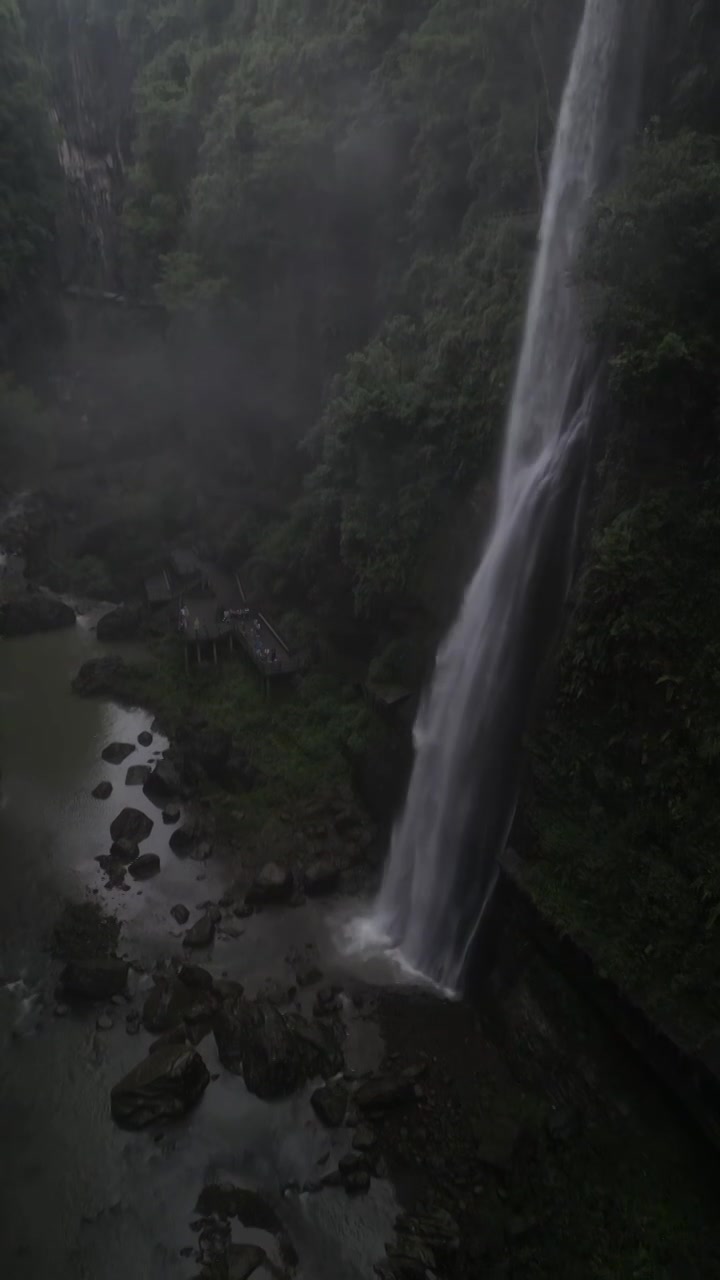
x: 91, y: 109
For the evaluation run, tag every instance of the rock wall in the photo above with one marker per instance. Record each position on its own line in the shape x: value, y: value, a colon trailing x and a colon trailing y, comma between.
x: 91, y: 109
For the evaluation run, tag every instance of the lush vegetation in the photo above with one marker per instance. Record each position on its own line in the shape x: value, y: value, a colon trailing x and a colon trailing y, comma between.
x: 337, y: 203
x: 628, y: 766
x: 27, y: 198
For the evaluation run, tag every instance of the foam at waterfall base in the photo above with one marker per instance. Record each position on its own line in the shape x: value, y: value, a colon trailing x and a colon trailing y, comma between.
x: 365, y: 938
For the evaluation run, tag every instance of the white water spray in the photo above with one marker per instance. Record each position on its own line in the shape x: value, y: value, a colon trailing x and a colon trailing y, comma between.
x: 462, y: 793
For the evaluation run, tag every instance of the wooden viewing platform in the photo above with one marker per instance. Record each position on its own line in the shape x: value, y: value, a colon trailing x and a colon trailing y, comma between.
x: 219, y: 619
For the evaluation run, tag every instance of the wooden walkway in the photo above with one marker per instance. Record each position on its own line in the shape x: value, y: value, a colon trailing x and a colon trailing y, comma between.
x: 220, y: 620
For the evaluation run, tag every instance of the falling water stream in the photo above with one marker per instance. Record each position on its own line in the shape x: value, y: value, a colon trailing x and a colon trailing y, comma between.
x: 462, y: 794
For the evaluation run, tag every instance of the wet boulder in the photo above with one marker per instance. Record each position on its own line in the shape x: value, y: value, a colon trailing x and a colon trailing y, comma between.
x: 330, y: 1104
x: 34, y: 612
x: 322, y: 876
x: 184, y: 837
x: 116, y: 752
x: 172, y: 1002
x: 131, y: 824
x: 202, y: 932
x: 171, y: 814
x: 180, y: 913
x: 126, y: 850
x: 274, y: 884
x: 163, y: 780
x: 114, y: 868
x: 94, y: 979
x: 195, y: 977
x: 137, y: 775
x: 123, y: 623
x: 102, y: 678
x: 162, y: 1087
x: 274, y: 1052
x: 103, y: 791
x: 146, y: 865
x: 145, y: 738
x: 354, y: 1173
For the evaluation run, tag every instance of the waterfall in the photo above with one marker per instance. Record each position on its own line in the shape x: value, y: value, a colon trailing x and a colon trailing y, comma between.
x: 462, y: 793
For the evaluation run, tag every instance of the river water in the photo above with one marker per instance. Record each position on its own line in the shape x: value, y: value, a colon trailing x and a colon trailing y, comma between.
x: 79, y: 1197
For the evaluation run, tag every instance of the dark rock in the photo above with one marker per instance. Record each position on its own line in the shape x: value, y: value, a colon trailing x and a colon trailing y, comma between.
x: 131, y: 824
x: 123, y: 623
x: 112, y: 866
x: 227, y: 989
x: 364, y: 1138
x: 102, y: 678
x: 273, y: 884
x: 225, y: 1201
x: 357, y: 1182
x: 166, y: 1085
x: 330, y: 1104
x: 243, y: 911
x: 94, y: 979
x: 104, y: 1022
x: 117, y: 752
x: 34, y: 612
x: 136, y: 775
x: 145, y: 738
x: 320, y: 877
x: 327, y: 1002
x: 243, y: 1260
x: 163, y: 780
x: 274, y: 1052
x: 171, y: 814
x: 354, y: 1173
x: 176, y: 1035
x: 193, y: 975
x: 202, y: 852
x: 383, y: 1092
x: 148, y: 864
x: 125, y: 850
x: 436, y: 1228
x: 103, y: 790
x: 184, y: 837
x: 180, y: 913
x: 202, y: 932
x: 172, y: 1002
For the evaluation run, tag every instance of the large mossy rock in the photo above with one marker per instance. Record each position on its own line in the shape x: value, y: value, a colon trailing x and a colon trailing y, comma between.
x: 102, y: 678
x: 123, y: 623
x: 274, y: 1053
x: 163, y: 1087
x: 34, y: 612
x: 175, y: 1000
